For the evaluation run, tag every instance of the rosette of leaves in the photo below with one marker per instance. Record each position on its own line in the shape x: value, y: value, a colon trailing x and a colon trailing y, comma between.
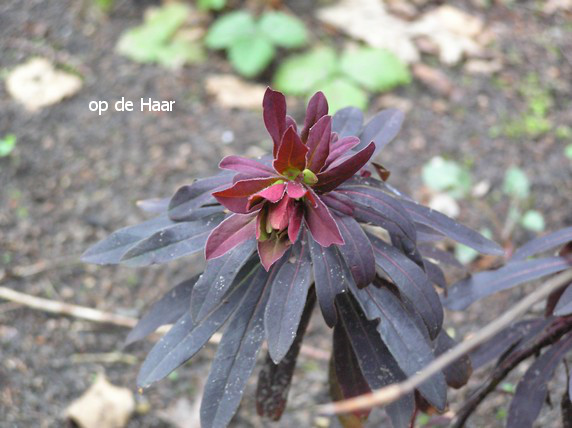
x: 306, y: 224
x: 251, y: 43
x: 548, y: 338
x: 345, y: 79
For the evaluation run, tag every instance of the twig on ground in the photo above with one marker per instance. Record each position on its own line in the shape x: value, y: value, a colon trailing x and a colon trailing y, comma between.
x: 95, y: 315
x: 393, y: 392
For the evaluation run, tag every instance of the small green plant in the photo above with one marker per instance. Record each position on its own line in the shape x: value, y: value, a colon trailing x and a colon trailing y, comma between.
x: 345, y: 79
x: 447, y: 176
x: 568, y: 151
x: 157, y: 39
x: 7, y: 145
x: 104, y: 5
x: 211, y: 4
x: 517, y: 186
x: 251, y: 43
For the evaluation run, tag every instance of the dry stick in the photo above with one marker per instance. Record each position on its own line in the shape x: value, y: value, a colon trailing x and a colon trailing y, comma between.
x: 95, y: 315
x: 391, y: 393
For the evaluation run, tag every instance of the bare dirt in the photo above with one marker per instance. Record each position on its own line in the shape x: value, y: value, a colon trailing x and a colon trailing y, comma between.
x: 75, y: 176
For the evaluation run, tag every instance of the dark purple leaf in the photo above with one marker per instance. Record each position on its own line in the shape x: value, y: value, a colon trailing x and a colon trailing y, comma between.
x: 188, y: 198
x: 386, y: 206
x: 274, y: 379
x: 347, y: 122
x: 564, y: 305
x: 449, y: 227
x: 236, y: 355
x: 403, y: 338
x: 321, y: 224
x: 382, y: 129
x: 357, y: 251
x: 331, y: 276
x: 412, y: 282
x: 290, y: 122
x: 236, y: 198
x: 288, y: 294
x: 166, y: 310
x: 440, y: 256
x: 531, y: 391
x: 331, y: 178
x: 291, y: 155
x: 435, y: 274
x: 274, y: 114
x: 346, y: 379
x: 377, y: 365
x: 179, y: 240
x: 319, y: 144
x: 218, y: 276
x: 340, y: 148
x: 505, y: 340
x: 231, y: 232
x: 248, y: 166
x: 113, y: 248
x: 544, y: 243
x: 483, y: 284
x: 317, y: 108
x: 457, y: 373
x: 272, y: 250
x: 338, y: 202
x: 186, y: 338
x: 566, y: 407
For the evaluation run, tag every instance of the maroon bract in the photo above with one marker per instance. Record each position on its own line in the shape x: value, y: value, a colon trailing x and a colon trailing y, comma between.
x: 307, y: 225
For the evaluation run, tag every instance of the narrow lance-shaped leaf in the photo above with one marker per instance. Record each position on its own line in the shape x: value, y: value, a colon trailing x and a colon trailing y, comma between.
x: 357, y: 251
x: 236, y: 356
x: 236, y: 197
x: 564, y: 305
x: 321, y: 224
x: 382, y: 129
x: 340, y: 148
x: 457, y: 373
x: 335, y: 175
x: 274, y: 379
x: 319, y: 144
x: 168, y: 244
x: 449, y: 227
x: 346, y: 378
x: 531, y: 391
x: 404, y: 340
x: 231, y: 232
x: 291, y: 155
x: 543, y: 243
x: 412, y: 282
x: 347, y: 122
x: 246, y: 166
x: 331, y: 276
x: 186, y: 338
x: 483, y: 284
x: 166, y: 310
x: 189, y: 198
x: 274, y: 114
x: 113, y: 248
x: 317, y: 108
x: 218, y: 276
x: 377, y: 365
x: 288, y: 294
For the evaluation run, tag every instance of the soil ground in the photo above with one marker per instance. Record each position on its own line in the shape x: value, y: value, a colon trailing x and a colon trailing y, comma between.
x: 75, y: 176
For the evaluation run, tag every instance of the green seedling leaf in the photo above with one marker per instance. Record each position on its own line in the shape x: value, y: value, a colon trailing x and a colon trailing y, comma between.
x: 283, y: 30
x: 342, y: 92
x: 466, y: 254
x: 229, y: 28
x: 180, y: 52
x: 568, y: 151
x: 299, y: 74
x: 211, y: 4
x: 374, y: 69
x: 533, y: 220
x: 447, y: 176
x: 104, y: 5
x: 7, y: 145
x: 250, y: 55
x: 516, y: 183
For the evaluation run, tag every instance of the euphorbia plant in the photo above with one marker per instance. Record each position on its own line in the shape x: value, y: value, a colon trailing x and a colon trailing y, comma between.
x: 279, y: 233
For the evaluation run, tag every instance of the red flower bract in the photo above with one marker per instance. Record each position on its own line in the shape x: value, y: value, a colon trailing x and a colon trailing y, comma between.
x: 269, y: 203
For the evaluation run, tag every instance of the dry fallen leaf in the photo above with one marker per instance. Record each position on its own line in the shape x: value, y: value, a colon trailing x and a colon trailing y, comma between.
x: 183, y: 414
x: 446, y: 30
x: 38, y: 84
x: 369, y: 21
x: 103, y: 405
x: 232, y: 92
